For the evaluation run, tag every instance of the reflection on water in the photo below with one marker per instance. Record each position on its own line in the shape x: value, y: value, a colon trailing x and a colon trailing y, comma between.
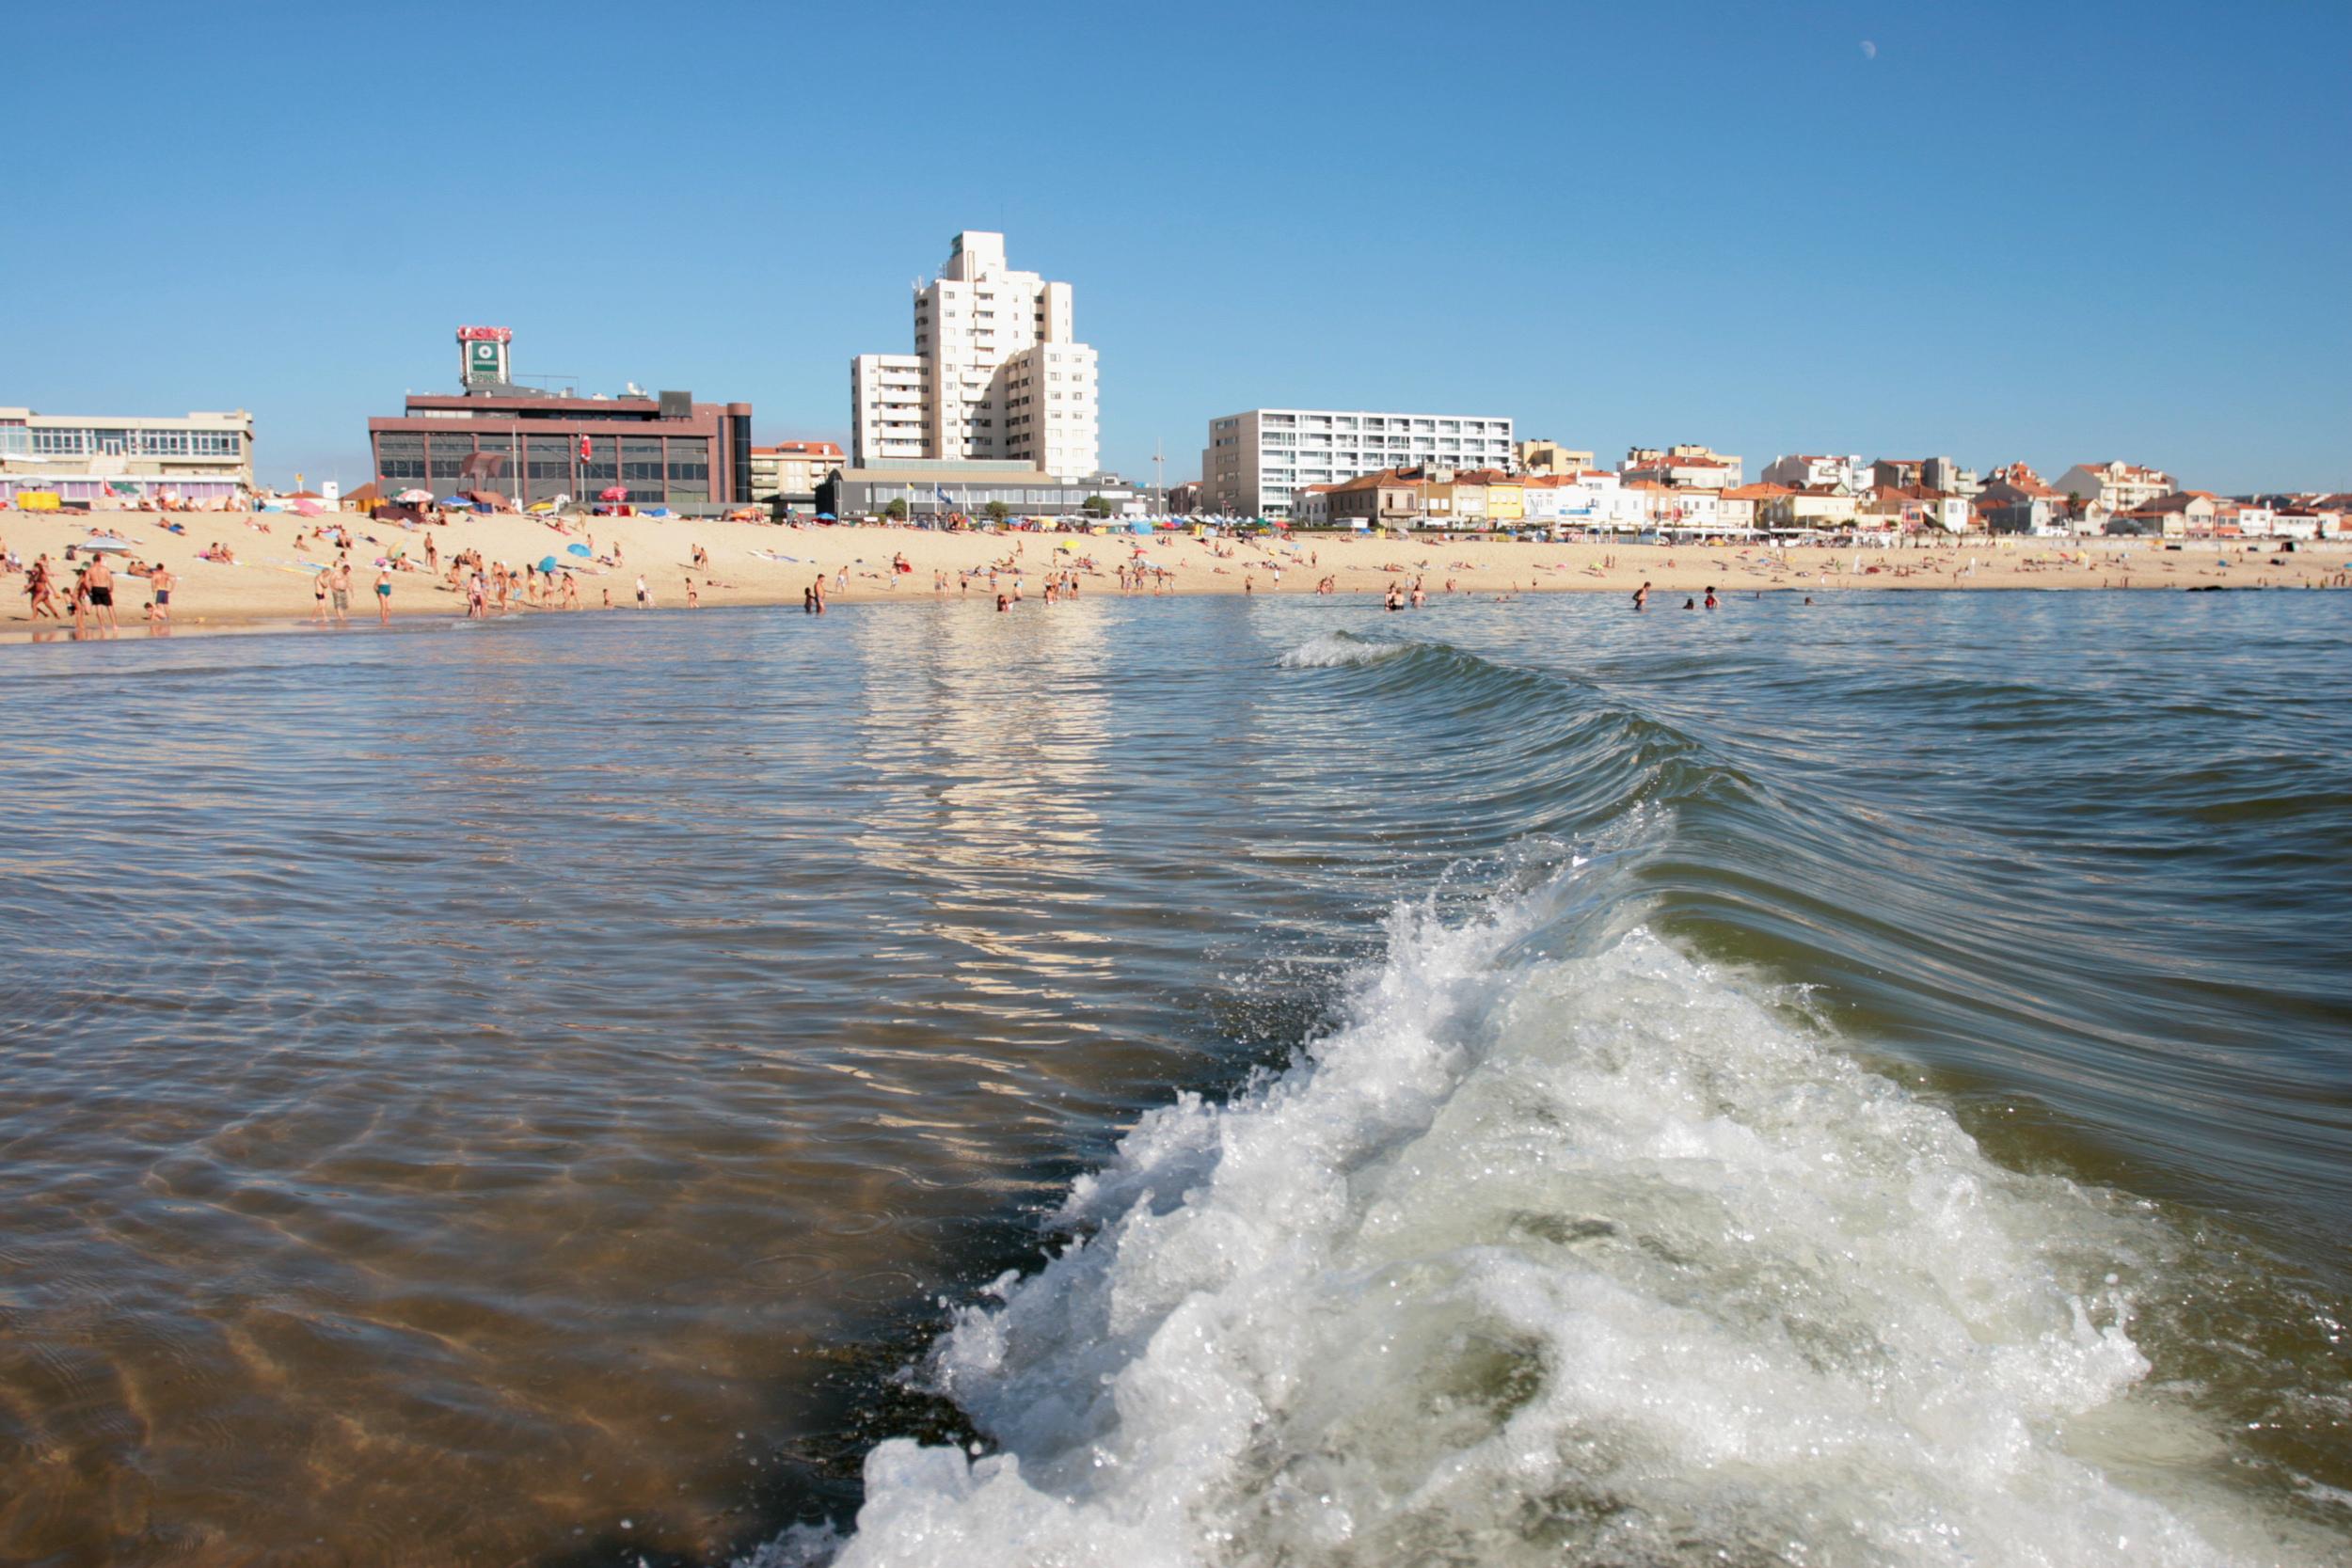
x: 509, y: 1093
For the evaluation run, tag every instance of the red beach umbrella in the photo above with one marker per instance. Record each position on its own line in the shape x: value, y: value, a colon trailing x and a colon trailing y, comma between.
x: 616, y: 493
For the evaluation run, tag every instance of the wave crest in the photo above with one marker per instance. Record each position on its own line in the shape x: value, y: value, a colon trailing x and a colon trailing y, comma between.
x: 1545, y: 1258
x: 1337, y: 649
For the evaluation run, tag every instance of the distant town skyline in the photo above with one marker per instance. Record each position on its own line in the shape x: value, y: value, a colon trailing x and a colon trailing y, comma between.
x: 1987, y: 235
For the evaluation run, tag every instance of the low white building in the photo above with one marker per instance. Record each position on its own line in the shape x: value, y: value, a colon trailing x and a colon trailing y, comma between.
x: 2251, y: 519
x: 200, y: 460
x: 1256, y: 461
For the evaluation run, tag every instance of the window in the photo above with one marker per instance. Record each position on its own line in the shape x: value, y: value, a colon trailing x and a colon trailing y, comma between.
x: 641, y: 465
x: 399, y: 458
x: 690, y: 463
x: 448, y: 459
x: 60, y: 443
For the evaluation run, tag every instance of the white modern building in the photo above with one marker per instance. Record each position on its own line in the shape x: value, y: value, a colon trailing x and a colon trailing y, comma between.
x: 997, y: 373
x: 1256, y: 462
x: 202, y: 460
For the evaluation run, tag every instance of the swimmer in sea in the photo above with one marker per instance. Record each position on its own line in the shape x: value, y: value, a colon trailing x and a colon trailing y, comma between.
x: 1640, y: 597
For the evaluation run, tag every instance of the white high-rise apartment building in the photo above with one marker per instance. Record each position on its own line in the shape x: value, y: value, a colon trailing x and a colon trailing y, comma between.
x: 997, y: 373
x: 1256, y: 461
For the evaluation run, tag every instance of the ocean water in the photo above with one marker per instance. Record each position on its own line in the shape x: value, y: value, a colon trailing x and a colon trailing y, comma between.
x: 1187, y: 1081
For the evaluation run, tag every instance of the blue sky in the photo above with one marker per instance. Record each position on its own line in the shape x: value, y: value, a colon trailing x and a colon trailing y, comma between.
x: 2044, y: 230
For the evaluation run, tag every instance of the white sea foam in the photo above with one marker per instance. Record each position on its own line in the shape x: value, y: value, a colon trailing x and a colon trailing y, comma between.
x: 1331, y: 649
x: 1553, y: 1260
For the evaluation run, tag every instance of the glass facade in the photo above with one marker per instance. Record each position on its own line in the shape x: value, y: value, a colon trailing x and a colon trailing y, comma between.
x: 640, y: 467
x: 445, y: 460
x: 550, y: 473
x: 690, y: 468
x: 649, y: 461
x: 399, y: 461
x: 506, y: 480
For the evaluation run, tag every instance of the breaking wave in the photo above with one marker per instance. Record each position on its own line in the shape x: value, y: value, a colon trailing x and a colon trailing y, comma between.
x: 1564, y: 1246
x: 1333, y: 649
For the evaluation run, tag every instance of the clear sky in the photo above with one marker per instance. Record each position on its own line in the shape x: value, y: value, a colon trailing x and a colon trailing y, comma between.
x: 2052, y: 231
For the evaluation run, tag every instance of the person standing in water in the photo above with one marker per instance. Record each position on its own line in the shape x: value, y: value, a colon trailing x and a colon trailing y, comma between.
x: 1640, y: 597
x: 384, y: 597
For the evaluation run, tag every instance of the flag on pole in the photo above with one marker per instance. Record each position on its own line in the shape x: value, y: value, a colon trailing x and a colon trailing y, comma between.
x: 587, y: 448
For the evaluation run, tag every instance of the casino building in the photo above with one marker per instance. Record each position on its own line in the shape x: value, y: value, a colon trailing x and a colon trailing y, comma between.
x: 532, y: 445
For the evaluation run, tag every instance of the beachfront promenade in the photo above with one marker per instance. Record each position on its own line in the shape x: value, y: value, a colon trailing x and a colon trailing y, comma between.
x: 269, y: 574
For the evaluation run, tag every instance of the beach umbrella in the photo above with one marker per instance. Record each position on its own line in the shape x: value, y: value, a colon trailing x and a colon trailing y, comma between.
x: 310, y: 508
x: 827, y: 518
x: 414, y: 495
x: 581, y: 550
x: 615, y: 493
x: 453, y: 501
x: 546, y: 564
x: 107, y: 541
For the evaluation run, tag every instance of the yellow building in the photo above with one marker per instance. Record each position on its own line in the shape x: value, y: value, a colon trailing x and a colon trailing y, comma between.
x: 1506, y: 500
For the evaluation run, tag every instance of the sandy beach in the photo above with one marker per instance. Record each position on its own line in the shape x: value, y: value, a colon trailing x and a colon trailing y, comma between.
x: 766, y: 564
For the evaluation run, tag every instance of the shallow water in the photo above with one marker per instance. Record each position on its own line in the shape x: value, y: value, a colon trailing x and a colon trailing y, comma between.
x: 516, y: 1093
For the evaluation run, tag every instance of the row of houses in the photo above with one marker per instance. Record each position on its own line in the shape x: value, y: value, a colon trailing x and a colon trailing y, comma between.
x: 1694, y: 489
